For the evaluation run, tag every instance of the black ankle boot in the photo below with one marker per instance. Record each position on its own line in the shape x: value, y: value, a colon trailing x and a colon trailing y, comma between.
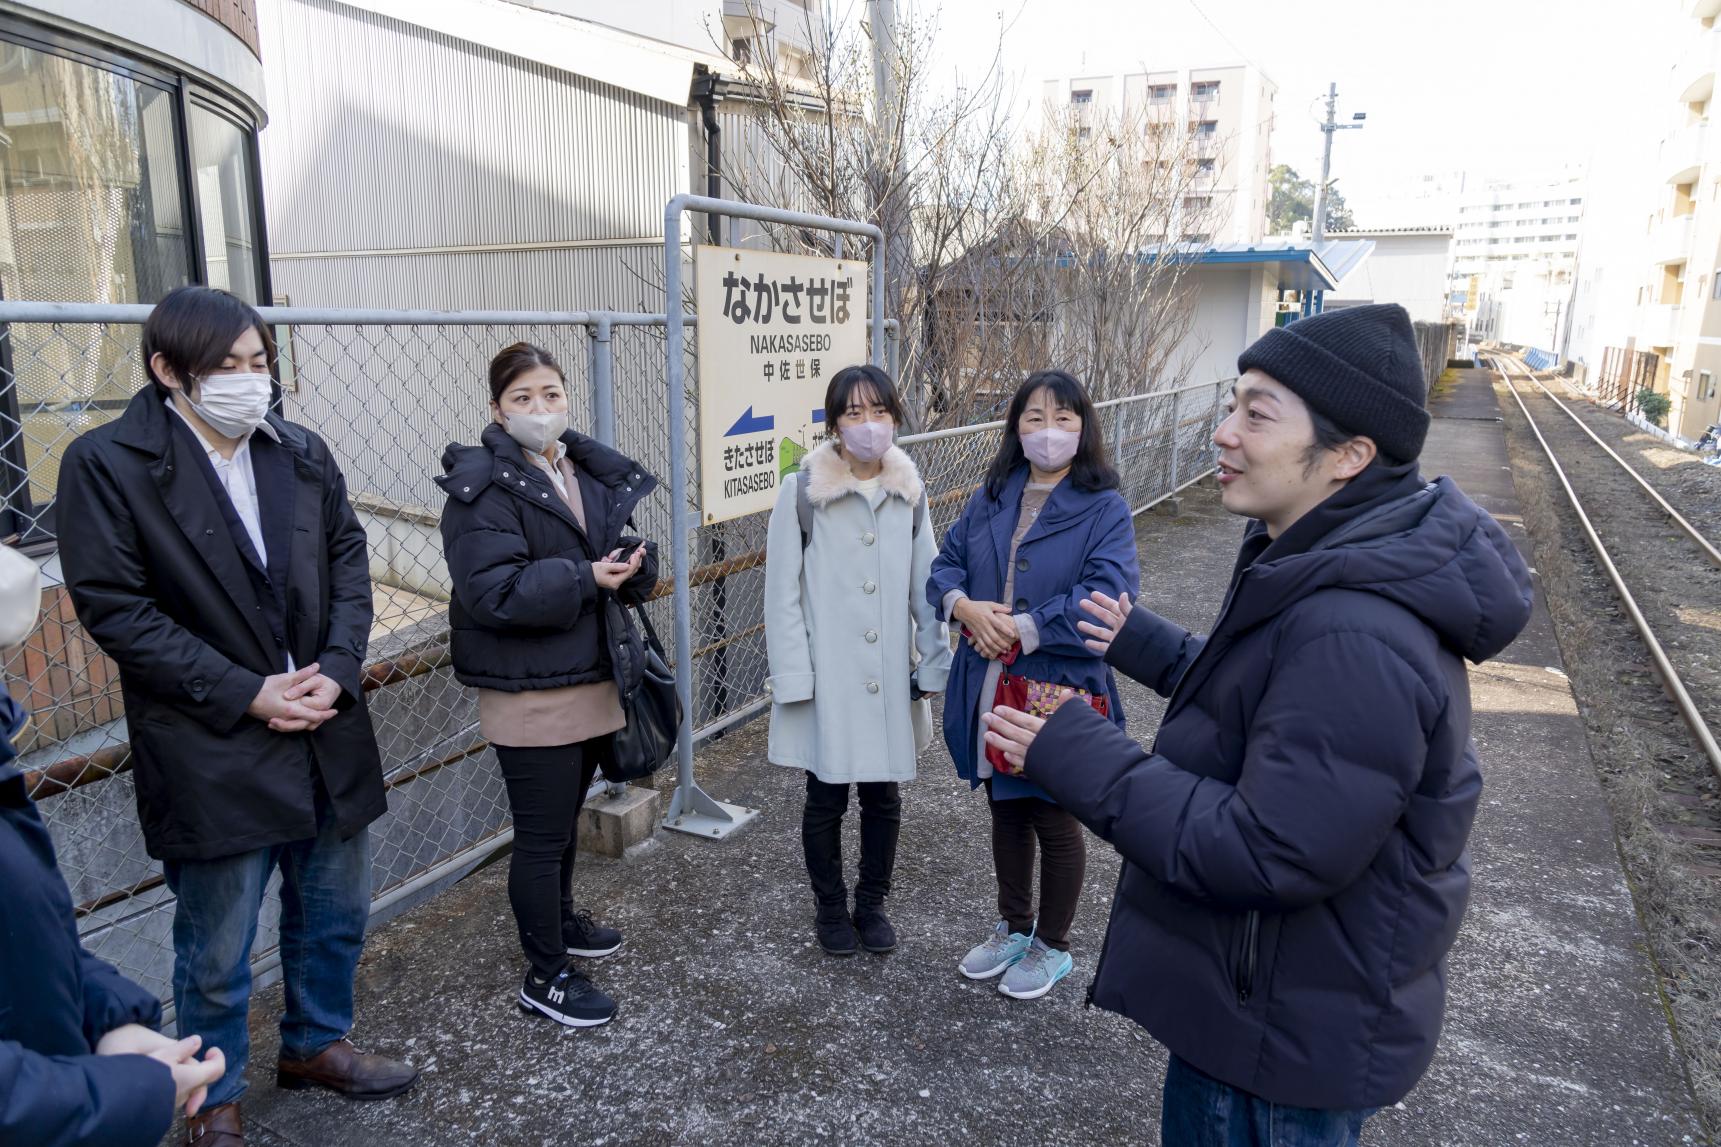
x: 876, y: 934
x: 836, y: 932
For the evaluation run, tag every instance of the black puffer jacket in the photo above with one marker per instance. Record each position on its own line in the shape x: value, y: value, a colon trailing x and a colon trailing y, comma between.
x: 526, y: 611
x: 1294, y: 844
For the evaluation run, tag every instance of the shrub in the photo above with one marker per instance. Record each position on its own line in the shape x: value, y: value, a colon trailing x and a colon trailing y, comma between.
x: 1654, y: 405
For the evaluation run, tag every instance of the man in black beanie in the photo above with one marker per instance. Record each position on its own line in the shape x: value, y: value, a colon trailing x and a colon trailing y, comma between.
x: 1295, y: 861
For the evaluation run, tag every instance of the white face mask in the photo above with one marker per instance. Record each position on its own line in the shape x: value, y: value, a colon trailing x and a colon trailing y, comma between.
x: 1051, y: 449
x: 868, y: 441
x: 20, y: 596
x: 233, y: 404
x: 536, y: 432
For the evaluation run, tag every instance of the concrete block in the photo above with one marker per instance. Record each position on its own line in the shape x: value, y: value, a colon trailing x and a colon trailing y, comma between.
x: 609, y: 826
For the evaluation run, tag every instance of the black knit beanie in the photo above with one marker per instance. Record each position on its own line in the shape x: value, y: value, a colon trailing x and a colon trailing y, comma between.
x: 1359, y: 366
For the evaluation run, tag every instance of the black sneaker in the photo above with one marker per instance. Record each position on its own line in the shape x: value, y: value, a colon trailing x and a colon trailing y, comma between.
x: 876, y: 934
x: 568, y: 998
x: 836, y: 933
x: 586, y: 937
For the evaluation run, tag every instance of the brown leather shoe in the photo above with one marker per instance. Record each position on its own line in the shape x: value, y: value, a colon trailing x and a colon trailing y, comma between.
x: 344, y: 1069
x: 216, y: 1127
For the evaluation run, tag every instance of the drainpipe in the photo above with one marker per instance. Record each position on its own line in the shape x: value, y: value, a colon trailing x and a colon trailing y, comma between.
x: 707, y: 90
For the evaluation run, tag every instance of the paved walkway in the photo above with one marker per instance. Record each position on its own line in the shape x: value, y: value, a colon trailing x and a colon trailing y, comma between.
x: 734, y: 1028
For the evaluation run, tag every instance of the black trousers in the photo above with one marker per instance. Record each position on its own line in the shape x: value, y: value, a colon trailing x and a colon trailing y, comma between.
x: 822, y: 838
x: 546, y: 789
x: 1017, y: 826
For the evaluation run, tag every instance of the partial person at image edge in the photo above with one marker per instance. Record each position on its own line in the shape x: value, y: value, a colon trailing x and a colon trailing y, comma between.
x: 82, y: 1063
x: 1295, y: 844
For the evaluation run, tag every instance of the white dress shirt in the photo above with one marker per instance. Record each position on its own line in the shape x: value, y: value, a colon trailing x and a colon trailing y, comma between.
x: 239, y: 478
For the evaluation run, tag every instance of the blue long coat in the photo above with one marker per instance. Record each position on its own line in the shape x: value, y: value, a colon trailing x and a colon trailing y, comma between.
x: 1082, y: 541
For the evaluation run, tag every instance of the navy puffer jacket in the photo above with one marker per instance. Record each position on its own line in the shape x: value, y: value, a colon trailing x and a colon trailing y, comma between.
x: 1295, y: 842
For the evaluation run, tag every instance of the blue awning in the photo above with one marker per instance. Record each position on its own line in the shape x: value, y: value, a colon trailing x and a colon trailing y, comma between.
x: 1299, y: 267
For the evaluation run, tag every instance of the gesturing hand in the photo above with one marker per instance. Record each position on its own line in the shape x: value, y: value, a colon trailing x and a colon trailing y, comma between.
x: 612, y: 575
x: 1108, y: 615
x: 1012, y: 732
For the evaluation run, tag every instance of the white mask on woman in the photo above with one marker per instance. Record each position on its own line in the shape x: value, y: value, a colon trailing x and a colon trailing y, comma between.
x: 1051, y: 449
x: 233, y: 404
x: 868, y: 441
x: 536, y: 432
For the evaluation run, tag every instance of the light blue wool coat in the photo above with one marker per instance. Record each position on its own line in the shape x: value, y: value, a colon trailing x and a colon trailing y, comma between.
x: 847, y: 621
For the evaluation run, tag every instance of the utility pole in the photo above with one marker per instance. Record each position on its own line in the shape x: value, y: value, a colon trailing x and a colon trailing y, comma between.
x: 889, y: 197
x: 1319, y: 228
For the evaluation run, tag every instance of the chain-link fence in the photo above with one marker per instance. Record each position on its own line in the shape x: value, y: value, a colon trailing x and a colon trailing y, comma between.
x: 389, y: 391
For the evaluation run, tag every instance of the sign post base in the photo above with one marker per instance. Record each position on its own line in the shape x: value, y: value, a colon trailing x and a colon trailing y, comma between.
x: 693, y: 811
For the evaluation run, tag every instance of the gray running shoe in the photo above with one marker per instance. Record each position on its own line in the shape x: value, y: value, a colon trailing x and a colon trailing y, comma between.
x: 1000, y: 950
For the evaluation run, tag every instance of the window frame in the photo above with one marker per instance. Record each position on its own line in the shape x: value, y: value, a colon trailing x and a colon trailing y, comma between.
x: 19, y: 523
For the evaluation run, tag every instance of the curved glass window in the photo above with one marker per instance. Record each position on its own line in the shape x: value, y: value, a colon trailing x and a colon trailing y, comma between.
x: 116, y: 186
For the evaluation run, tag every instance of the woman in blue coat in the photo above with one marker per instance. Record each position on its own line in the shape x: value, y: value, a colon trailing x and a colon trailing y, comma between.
x: 1046, y: 529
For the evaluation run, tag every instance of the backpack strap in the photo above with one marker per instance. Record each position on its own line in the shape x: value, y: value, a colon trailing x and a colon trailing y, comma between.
x: 804, y: 507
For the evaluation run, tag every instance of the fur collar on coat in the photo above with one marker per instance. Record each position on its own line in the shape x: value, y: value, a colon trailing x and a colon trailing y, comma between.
x: 829, y: 476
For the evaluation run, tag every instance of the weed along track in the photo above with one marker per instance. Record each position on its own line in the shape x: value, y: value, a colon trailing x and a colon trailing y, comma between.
x: 1626, y: 551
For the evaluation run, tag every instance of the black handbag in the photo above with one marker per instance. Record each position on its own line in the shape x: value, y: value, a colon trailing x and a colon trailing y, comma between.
x: 653, y: 710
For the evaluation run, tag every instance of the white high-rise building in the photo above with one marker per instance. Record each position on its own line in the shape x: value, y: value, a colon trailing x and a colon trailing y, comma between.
x: 1228, y: 112
x: 1514, y: 258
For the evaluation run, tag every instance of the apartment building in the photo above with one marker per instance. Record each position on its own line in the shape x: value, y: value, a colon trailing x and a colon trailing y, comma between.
x: 1228, y: 114
x: 1679, y: 290
x: 1515, y: 256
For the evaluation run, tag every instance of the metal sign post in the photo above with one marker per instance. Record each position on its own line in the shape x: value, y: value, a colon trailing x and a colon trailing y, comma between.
x: 692, y: 810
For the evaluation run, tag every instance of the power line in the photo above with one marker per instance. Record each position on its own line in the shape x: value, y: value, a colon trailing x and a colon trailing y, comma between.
x: 1228, y: 40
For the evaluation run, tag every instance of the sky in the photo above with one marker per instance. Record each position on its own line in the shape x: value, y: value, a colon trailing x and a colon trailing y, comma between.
x: 1491, y: 87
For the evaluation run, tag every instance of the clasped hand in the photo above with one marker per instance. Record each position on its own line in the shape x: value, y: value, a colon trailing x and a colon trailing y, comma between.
x: 991, y: 627
x: 191, y: 1076
x: 296, y: 702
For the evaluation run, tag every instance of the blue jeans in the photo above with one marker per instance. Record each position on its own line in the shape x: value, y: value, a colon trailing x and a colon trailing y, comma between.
x: 325, y: 902
x: 1200, y: 1111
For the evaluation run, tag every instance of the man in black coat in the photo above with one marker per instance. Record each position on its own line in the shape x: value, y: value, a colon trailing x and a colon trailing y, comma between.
x: 210, y: 550
x: 1295, y: 862
x: 81, y: 1064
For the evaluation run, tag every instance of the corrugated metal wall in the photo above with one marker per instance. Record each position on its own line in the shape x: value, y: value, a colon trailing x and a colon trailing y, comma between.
x: 385, y: 137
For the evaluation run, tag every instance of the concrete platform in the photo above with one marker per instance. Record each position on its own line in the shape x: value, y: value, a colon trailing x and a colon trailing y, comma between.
x: 734, y: 1028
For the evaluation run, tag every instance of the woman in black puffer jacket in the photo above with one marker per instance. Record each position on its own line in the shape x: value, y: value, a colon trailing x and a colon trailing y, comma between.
x: 541, y: 570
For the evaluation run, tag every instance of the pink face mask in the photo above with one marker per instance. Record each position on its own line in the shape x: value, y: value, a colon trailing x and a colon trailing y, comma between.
x: 1051, y: 449
x: 868, y: 441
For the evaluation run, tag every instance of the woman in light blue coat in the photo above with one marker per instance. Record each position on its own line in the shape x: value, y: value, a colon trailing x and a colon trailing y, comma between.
x: 854, y: 645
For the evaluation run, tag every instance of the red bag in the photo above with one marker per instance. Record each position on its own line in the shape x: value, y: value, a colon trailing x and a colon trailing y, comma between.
x: 1040, y: 698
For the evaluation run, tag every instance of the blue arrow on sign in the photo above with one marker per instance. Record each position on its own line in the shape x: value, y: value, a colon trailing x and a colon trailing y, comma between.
x: 748, y: 424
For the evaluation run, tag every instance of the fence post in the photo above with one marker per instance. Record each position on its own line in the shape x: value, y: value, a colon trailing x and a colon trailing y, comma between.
x: 603, y: 429
x: 1213, y: 421
x: 1173, y: 501
x: 603, y: 382
x: 691, y: 809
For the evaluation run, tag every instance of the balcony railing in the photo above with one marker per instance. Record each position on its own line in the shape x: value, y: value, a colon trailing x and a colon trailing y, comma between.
x: 1658, y: 324
x: 1682, y: 152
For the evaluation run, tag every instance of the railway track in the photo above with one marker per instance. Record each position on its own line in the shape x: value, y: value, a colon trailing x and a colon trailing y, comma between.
x: 1605, y: 506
